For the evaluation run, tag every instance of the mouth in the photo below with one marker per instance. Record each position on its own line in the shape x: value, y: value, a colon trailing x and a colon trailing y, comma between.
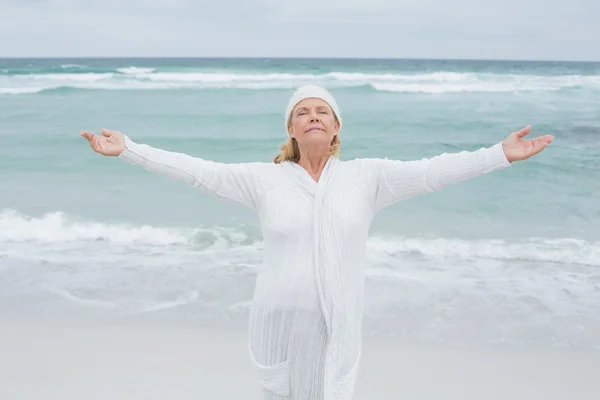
x: 315, y: 130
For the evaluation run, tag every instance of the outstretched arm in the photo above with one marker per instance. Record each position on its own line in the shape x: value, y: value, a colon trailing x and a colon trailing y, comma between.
x: 234, y: 182
x: 399, y: 180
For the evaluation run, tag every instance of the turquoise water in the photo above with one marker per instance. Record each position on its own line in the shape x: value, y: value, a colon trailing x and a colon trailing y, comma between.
x: 522, y: 244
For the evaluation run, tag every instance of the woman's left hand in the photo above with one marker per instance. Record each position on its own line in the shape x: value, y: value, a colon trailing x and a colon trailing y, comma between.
x: 517, y: 149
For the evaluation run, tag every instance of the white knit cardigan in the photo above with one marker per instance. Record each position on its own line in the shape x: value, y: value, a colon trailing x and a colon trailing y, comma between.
x: 305, y: 322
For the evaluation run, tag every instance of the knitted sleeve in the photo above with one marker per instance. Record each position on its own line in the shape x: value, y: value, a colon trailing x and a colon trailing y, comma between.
x: 233, y: 182
x: 397, y: 180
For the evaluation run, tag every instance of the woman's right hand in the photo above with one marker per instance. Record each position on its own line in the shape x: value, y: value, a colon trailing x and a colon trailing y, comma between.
x: 111, y: 143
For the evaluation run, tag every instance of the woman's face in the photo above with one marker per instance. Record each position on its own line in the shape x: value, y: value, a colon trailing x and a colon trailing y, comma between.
x: 313, y: 122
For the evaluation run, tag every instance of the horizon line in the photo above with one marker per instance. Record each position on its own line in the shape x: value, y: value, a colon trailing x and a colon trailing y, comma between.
x: 300, y: 58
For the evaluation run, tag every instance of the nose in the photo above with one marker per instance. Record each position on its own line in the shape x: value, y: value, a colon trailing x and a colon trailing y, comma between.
x: 314, y: 116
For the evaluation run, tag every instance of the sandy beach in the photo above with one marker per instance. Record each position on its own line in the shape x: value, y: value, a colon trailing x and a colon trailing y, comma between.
x: 68, y: 359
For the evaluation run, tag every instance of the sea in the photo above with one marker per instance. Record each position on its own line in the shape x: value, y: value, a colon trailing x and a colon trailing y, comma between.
x: 510, y: 258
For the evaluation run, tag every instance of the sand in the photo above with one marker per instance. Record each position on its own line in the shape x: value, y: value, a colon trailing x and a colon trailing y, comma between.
x: 77, y: 359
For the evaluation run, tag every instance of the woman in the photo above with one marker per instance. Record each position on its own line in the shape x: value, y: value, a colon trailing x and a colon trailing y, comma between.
x: 315, y: 211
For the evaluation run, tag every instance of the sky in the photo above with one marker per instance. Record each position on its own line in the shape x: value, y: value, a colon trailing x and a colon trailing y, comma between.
x: 460, y: 29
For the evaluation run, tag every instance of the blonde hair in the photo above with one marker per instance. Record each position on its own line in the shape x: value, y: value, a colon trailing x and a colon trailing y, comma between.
x: 289, y: 151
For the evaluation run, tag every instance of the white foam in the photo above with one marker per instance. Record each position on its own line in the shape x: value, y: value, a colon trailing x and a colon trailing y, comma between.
x: 229, y: 77
x: 564, y: 250
x: 36, y: 83
x: 65, y: 66
x: 135, y: 70
x: 465, y: 291
x: 390, y: 77
x: 485, y: 82
x: 21, y: 90
x: 72, y: 77
x: 135, y: 305
x: 136, y: 78
x: 58, y: 227
x: 81, y: 300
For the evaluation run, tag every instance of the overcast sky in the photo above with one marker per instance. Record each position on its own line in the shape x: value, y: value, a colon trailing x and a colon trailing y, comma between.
x: 481, y: 29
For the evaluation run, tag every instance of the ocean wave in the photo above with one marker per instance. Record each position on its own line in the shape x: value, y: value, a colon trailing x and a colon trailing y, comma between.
x: 72, y: 77
x: 22, y: 90
x: 465, y: 292
x: 563, y: 250
x: 137, y: 78
x: 69, y: 66
x: 475, y: 87
x: 135, y: 70
x: 58, y: 228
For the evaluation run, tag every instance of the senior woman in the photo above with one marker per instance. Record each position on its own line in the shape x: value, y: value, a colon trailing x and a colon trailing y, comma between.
x: 315, y: 211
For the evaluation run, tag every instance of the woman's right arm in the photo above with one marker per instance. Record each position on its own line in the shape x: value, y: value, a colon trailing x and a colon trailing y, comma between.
x: 233, y: 182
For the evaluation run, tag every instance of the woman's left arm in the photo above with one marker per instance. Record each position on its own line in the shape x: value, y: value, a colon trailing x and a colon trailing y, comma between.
x: 405, y: 179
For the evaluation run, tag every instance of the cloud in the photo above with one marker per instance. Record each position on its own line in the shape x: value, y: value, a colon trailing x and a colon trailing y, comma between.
x: 311, y: 11
x: 309, y: 28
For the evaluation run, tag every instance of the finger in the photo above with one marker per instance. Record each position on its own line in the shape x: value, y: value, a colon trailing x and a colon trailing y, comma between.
x: 546, y: 139
x: 98, y: 146
x: 540, y: 144
x: 523, y: 131
x: 87, y: 135
x: 94, y: 143
x: 106, y: 132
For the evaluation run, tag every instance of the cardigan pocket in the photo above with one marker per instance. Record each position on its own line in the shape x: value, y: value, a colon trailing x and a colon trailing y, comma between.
x: 345, y: 383
x: 274, y: 378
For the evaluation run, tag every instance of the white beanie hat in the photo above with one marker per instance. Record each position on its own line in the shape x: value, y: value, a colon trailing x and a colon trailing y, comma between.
x: 312, y: 92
